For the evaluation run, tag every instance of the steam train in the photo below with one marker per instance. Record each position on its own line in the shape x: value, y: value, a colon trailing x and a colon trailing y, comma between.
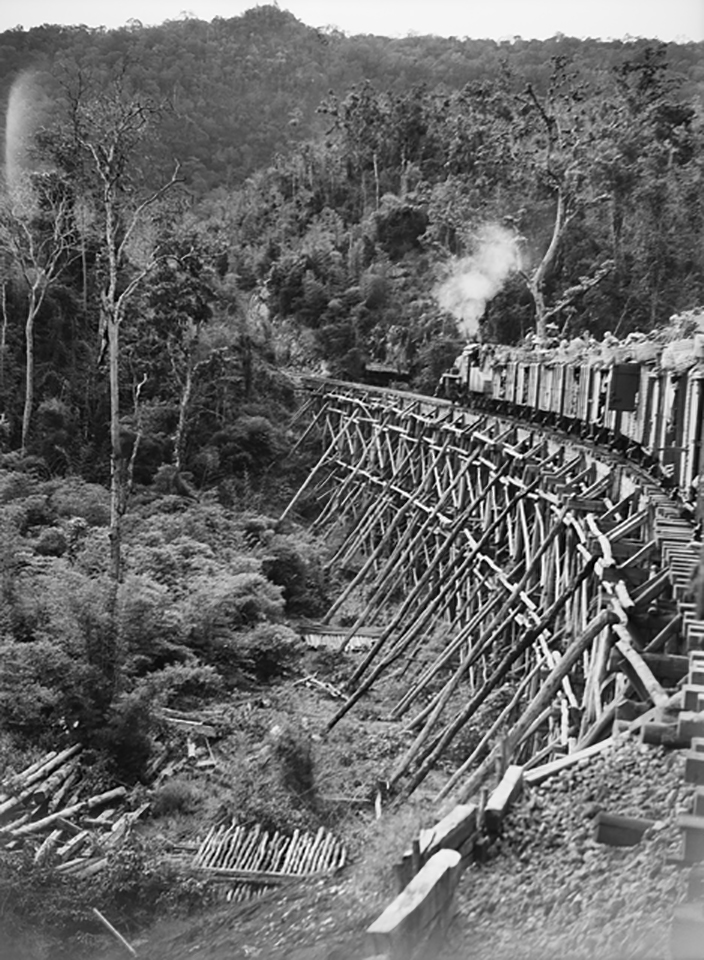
x: 643, y: 397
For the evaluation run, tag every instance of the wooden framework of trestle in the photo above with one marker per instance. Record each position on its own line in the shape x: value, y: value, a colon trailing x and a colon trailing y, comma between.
x: 486, y: 555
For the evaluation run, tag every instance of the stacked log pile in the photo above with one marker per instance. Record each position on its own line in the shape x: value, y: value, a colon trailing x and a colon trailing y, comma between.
x: 250, y: 860
x: 49, y: 810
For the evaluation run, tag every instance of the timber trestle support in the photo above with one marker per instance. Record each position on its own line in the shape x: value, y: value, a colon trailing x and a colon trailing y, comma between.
x: 514, y: 579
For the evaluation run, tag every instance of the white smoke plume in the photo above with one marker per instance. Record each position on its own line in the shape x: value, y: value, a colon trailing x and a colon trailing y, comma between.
x: 474, y: 280
x: 27, y: 106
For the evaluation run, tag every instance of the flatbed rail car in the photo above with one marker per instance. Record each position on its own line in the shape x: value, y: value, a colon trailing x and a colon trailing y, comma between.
x: 648, y: 411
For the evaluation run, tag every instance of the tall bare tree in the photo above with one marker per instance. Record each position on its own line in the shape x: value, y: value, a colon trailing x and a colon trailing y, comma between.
x: 110, y: 128
x: 561, y: 139
x: 36, y: 231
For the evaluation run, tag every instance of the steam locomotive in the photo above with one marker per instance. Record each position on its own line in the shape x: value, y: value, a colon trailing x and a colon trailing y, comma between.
x: 643, y: 396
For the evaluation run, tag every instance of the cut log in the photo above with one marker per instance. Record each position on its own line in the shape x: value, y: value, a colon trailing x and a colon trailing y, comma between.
x: 50, y: 765
x: 67, y: 850
x: 38, y: 825
x: 24, y: 775
x: 46, y: 789
x: 47, y: 845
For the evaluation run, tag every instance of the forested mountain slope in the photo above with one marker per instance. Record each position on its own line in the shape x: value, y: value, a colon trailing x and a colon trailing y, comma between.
x: 337, y: 200
x: 245, y: 88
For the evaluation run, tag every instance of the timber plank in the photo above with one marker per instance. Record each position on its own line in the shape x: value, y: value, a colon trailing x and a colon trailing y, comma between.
x: 687, y: 932
x: 694, y: 768
x: 418, y: 908
x: 618, y: 831
x: 501, y: 799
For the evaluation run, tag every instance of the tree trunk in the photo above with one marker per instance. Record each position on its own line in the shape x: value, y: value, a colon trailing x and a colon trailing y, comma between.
x: 28, y: 374
x: 116, y: 458
x: 182, y: 414
x: 3, y: 345
x: 537, y: 281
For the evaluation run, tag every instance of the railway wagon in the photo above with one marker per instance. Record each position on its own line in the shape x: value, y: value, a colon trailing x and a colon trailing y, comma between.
x: 650, y: 405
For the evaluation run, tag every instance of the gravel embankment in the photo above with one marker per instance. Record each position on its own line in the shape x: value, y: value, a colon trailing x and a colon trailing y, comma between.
x: 548, y: 890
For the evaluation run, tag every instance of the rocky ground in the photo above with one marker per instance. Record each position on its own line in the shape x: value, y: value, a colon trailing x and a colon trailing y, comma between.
x: 545, y: 890
x: 550, y: 891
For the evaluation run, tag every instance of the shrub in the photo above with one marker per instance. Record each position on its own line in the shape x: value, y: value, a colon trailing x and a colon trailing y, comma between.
x: 181, y: 683
x: 75, y: 498
x: 151, y: 629
x: 268, y: 651
x: 292, y: 753
x: 15, y: 485
x: 250, y: 442
x: 125, y: 737
x: 277, y: 790
x: 39, y: 682
x: 36, y: 511
x: 51, y: 543
x: 221, y: 605
x: 295, y: 565
x: 167, y: 563
x: 176, y: 796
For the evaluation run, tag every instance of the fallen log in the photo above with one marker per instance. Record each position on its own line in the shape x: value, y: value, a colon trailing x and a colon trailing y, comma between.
x: 189, y: 726
x: 24, y: 775
x: 50, y: 764
x: 45, y: 790
x: 38, y: 825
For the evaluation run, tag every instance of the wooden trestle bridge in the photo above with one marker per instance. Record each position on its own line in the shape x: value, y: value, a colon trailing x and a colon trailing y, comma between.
x: 496, y: 562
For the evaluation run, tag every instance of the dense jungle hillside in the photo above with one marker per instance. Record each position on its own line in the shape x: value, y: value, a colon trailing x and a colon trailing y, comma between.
x: 192, y: 216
